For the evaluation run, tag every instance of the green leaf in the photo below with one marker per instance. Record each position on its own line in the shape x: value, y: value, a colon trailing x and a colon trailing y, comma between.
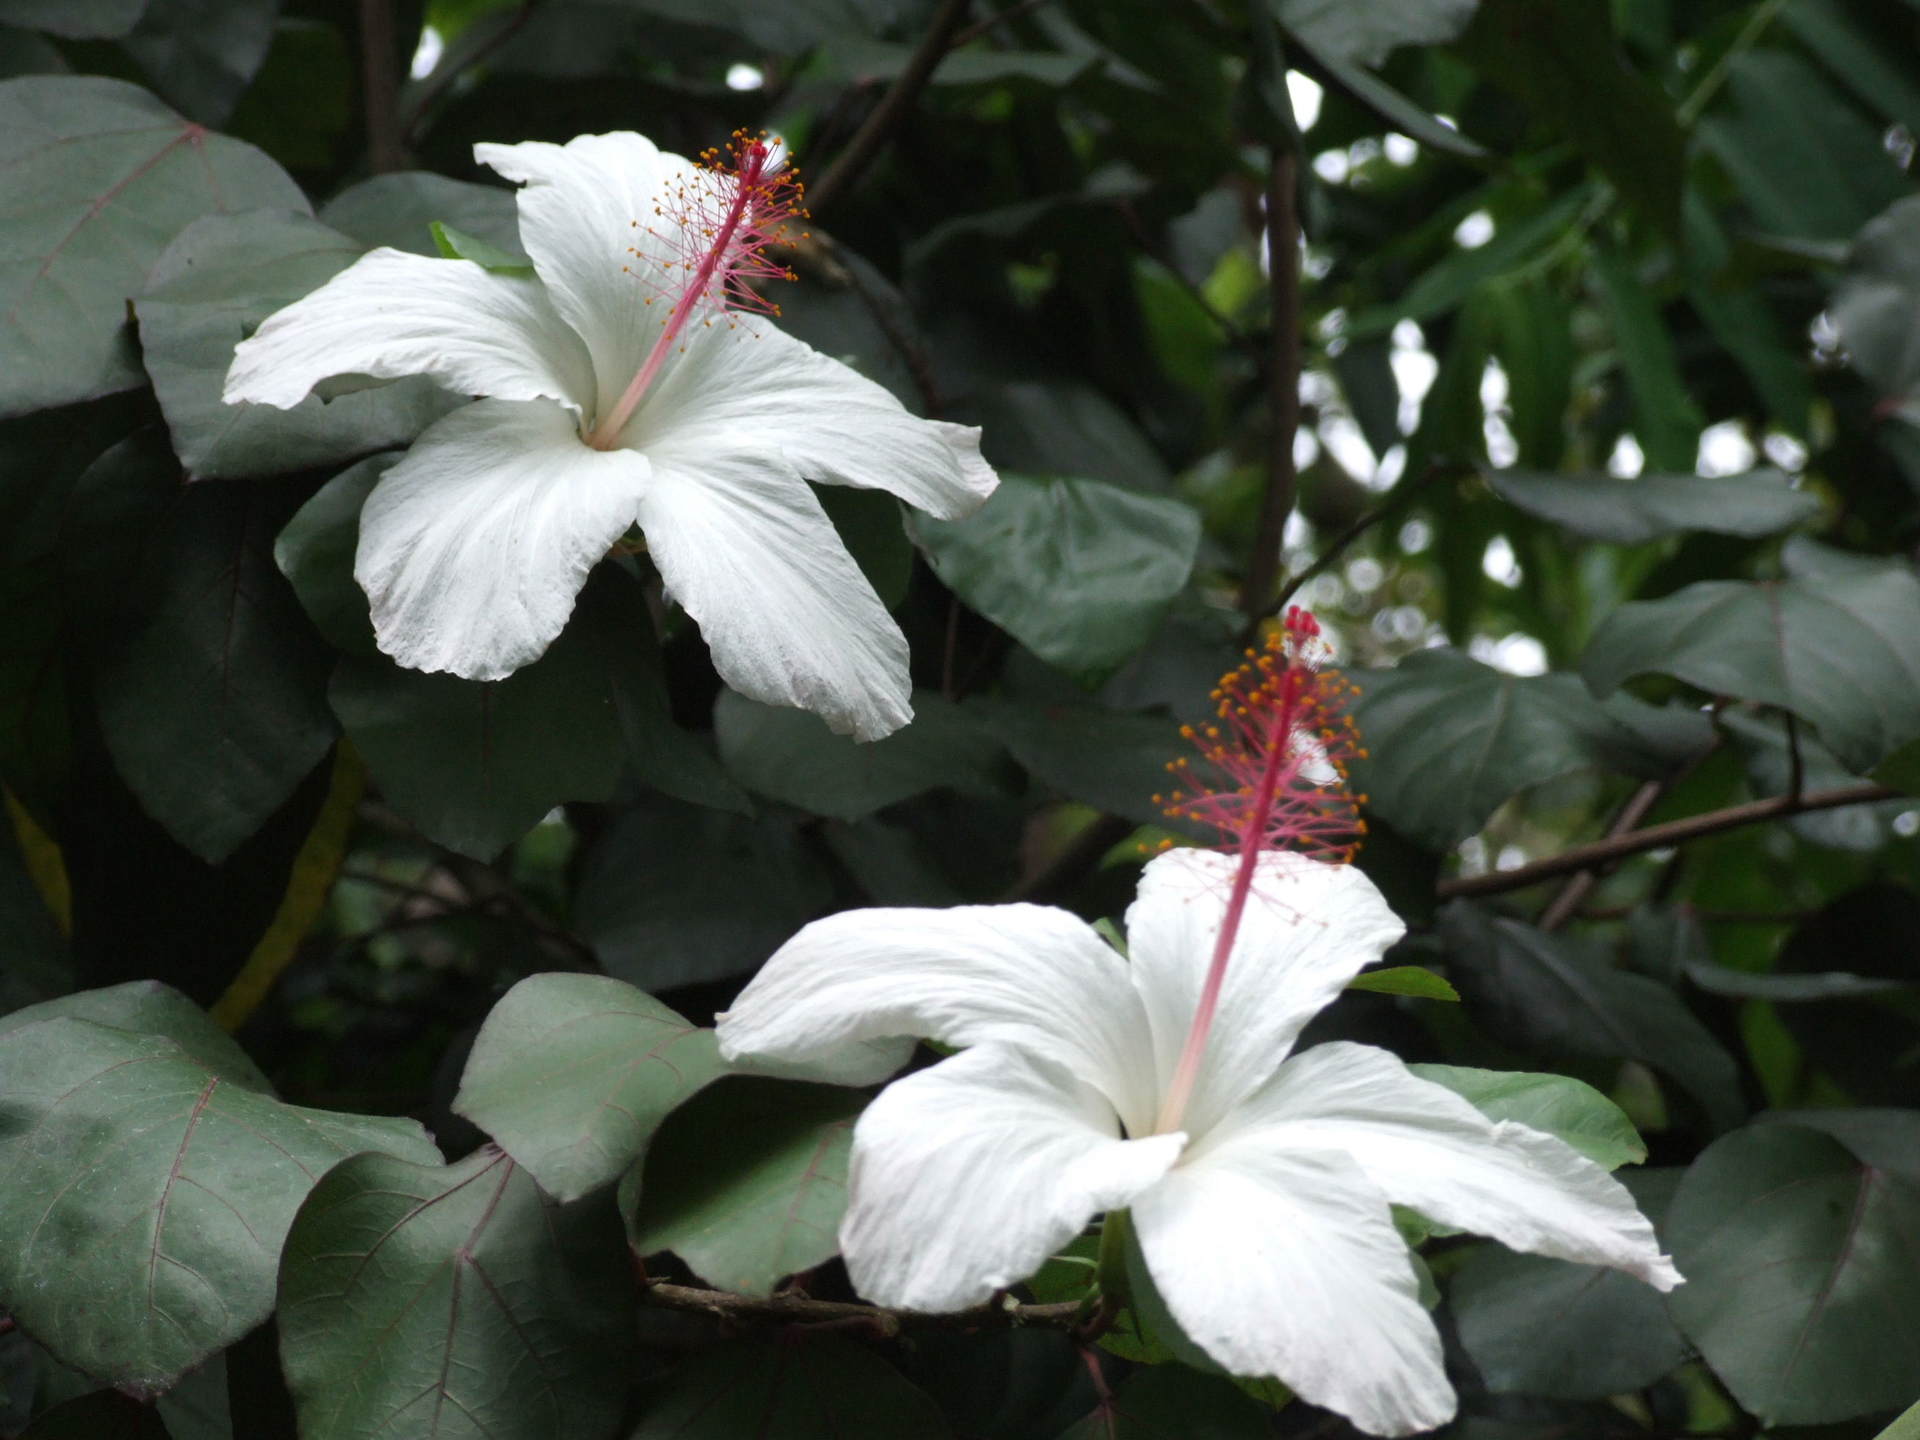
x: 1368, y: 31
x: 73, y: 19
x: 1163, y: 1402
x: 1396, y: 109
x: 1549, y: 993
x: 1906, y: 1427
x: 1115, y: 762
x: 1563, y: 62
x: 1449, y: 740
x: 124, y: 1156
x: 103, y: 1415
x: 1901, y: 769
x: 1561, y: 1106
x: 213, y: 704
x: 476, y: 764
x: 315, y: 552
x: 747, y: 1182
x: 458, y: 245
x: 1078, y: 571
x: 870, y: 525
x: 1799, y: 1259
x: 211, y: 288
x: 791, y: 756
x: 425, y: 1300
x: 1666, y: 421
x: 673, y: 895
x: 114, y: 175
x: 1876, y: 308
x: 572, y: 1073
x: 148, y: 1007
x: 1632, y: 512
x: 819, y: 1388
x: 401, y: 210
x: 1865, y: 1044
x: 1414, y: 980
x: 1841, y: 651
x: 201, y: 55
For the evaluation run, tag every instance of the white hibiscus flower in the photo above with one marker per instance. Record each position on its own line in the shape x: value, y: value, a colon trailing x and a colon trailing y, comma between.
x: 626, y: 381
x: 1258, y: 1181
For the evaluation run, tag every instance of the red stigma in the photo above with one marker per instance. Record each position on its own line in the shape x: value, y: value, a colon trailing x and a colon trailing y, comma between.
x: 1273, y: 772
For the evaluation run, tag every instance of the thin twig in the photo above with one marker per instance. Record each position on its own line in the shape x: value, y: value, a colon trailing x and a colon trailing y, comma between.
x: 1690, y: 109
x: 872, y: 137
x: 380, y: 87
x: 980, y: 27
x: 1562, y: 907
x: 451, y: 69
x: 1283, y: 385
x: 1655, y: 837
x: 1398, y: 499
x: 799, y: 1310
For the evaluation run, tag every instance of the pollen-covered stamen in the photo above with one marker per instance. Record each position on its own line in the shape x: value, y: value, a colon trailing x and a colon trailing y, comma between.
x: 1282, y: 750
x: 711, y: 241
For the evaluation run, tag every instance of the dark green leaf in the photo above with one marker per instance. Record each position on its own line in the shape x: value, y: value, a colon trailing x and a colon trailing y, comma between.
x: 572, y: 1073
x: 781, y: 29
x: 865, y: 61
x: 1172, y: 1402
x: 1901, y: 770
x: 148, y: 1007
x: 1877, y: 307
x: 672, y: 895
x: 1864, y: 1043
x: 121, y: 1155
x: 421, y: 1300
x: 791, y: 756
x: 869, y: 525
x: 211, y: 288
x: 1763, y: 744
x: 114, y: 174
x: 1800, y: 1261
x: 1414, y: 980
x: 747, y: 1182
x: 1541, y: 992
x: 202, y: 54
x: 214, y: 705
x: 1840, y: 651
x: 1113, y: 762
x: 1667, y: 422
x: 1566, y: 1108
x: 400, y: 210
x: 103, y: 1415
x: 820, y: 1388
x: 1449, y: 739
x: 315, y: 552
x: 73, y: 19
x: 1855, y: 56
x: 1763, y: 985
x: 1079, y: 572
x: 1632, y: 512
x: 1396, y: 109
x: 1367, y: 31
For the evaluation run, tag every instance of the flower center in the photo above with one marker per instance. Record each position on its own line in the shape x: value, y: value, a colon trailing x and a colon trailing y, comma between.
x: 1281, y: 753
x: 717, y: 229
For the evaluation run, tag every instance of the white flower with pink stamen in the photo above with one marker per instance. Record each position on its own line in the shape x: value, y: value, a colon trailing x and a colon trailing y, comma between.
x: 1259, y: 1182
x: 633, y: 378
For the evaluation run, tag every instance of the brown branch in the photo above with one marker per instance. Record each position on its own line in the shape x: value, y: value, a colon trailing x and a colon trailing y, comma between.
x: 872, y: 137
x: 1283, y: 384
x: 799, y: 1310
x: 1562, y: 907
x: 1655, y: 837
x: 380, y: 87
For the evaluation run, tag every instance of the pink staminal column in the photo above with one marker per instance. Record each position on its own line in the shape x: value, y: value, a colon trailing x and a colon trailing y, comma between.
x: 1273, y: 775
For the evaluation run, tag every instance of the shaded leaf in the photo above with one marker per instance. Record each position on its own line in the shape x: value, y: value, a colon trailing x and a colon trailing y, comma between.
x: 1876, y: 308
x: 1561, y: 1106
x: 121, y: 1155
x: 572, y: 1073
x: 103, y: 1415
x: 315, y: 552
x: 400, y: 210
x: 114, y: 174
x: 1367, y: 31
x: 822, y: 1388
x: 747, y: 1182
x: 1842, y: 651
x: 1172, y: 1402
x: 73, y: 19
x: 422, y: 1300
x: 1800, y: 1263
x: 1548, y: 993
x: 1632, y: 512
x: 202, y: 54
x: 1114, y: 762
x: 214, y: 705
x: 210, y: 289
x: 1667, y: 423
x: 673, y: 895
x: 791, y: 756
x: 149, y: 1007
x: 1078, y: 571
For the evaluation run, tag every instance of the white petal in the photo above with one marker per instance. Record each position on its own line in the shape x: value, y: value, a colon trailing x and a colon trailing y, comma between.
x: 584, y: 204
x: 1026, y: 975
x: 474, y: 546
x: 1288, y: 1264
x: 966, y: 1177
x: 1307, y: 929
x: 391, y: 314
x: 743, y: 544
x: 743, y: 378
x: 1427, y: 1148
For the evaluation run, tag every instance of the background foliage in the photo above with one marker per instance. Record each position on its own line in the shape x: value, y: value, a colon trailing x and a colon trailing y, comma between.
x: 1599, y: 453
